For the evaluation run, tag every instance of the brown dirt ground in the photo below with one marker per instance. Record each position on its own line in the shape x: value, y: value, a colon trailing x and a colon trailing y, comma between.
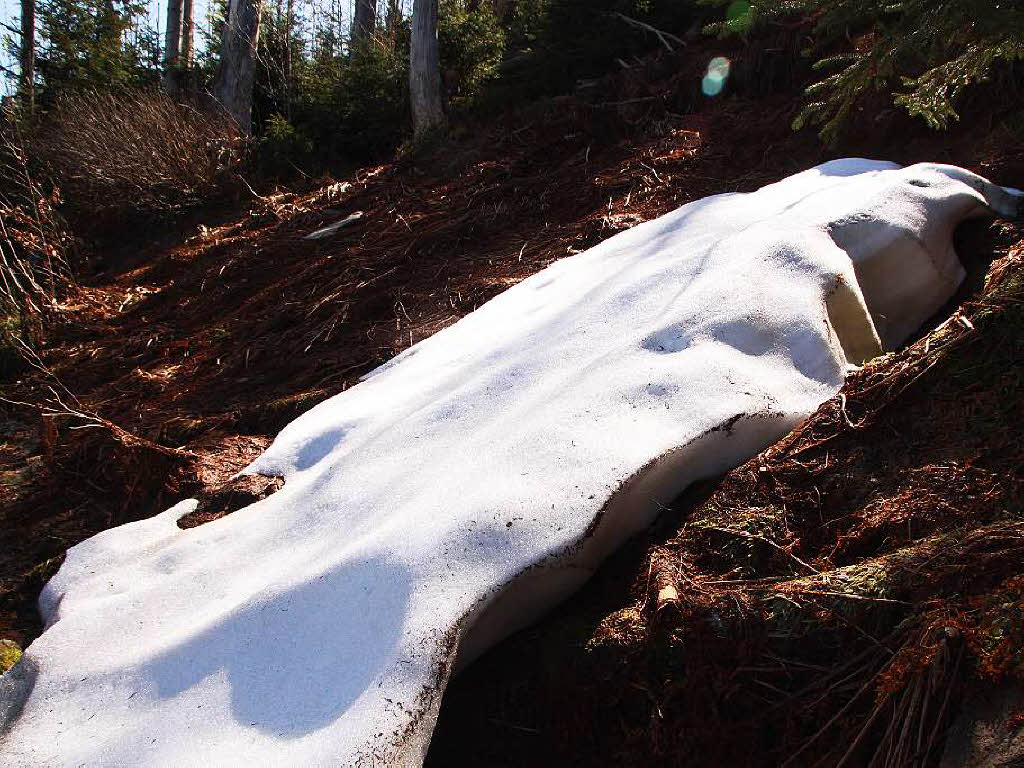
x: 201, y: 347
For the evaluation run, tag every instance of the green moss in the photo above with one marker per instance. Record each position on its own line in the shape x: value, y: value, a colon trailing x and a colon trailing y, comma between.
x: 10, y: 653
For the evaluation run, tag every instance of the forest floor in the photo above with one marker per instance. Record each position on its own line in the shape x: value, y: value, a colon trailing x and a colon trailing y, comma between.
x: 185, y: 356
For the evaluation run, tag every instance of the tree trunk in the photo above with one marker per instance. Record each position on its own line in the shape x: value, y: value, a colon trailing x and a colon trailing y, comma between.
x: 232, y: 87
x: 502, y: 9
x: 391, y: 22
x: 172, y: 47
x: 365, y: 22
x: 425, y: 71
x: 187, y: 43
x: 28, y: 53
x: 289, y: 72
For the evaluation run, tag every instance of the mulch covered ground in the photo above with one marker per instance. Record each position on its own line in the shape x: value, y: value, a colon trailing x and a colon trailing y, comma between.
x: 180, y: 360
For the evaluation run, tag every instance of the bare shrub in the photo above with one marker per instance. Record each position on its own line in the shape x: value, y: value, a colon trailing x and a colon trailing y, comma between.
x: 128, y: 152
x: 35, y: 250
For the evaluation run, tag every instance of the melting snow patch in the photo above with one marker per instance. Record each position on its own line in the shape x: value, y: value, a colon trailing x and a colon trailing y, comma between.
x: 466, y: 487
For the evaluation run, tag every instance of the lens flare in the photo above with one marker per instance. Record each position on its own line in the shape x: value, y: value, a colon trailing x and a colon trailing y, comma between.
x: 716, y: 76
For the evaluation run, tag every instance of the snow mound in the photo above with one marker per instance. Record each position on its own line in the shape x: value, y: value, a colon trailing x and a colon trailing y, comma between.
x: 465, y: 487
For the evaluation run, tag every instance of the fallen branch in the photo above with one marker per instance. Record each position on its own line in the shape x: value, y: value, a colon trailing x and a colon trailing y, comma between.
x: 624, y: 102
x: 330, y: 229
x: 846, y: 595
x: 48, y: 410
x: 661, y: 34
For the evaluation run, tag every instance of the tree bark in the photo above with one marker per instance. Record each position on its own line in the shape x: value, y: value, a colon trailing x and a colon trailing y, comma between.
x: 502, y: 9
x: 187, y: 43
x: 289, y: 78
x: 172, y: 47
x: 28, y: 54
x: 232, y: 87
x: 425, y: 71
x: 365, y: 22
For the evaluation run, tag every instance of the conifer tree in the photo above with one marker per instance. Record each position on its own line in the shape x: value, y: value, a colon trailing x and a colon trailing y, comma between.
x: 83, y: 44
x: 925, y: 52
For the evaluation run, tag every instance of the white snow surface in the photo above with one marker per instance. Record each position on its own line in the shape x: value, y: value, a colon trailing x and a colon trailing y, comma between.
x: 466, y: 486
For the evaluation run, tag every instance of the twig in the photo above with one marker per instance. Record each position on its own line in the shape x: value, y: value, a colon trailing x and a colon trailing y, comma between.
x: 513, y: 726
x: 769, y: 542
x: 847, y: 595
x: 10, y: 29
x: 638, y: 100
x: 942, y: 709
x: 123, y: 436
x: 863, y: 732
x: 662, y: 35
x: 832, y: 720
x: 846, y: 416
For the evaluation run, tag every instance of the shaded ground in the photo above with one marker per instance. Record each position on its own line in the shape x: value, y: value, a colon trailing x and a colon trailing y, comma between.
x: 183, y: 359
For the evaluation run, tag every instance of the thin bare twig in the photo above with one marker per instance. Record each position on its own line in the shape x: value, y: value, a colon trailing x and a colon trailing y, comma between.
x: 661, y: 34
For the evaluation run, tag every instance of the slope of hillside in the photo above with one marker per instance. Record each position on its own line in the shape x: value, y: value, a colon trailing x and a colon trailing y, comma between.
x: 479, y: 478
x: 211, y: 336
x: 185, y: 356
